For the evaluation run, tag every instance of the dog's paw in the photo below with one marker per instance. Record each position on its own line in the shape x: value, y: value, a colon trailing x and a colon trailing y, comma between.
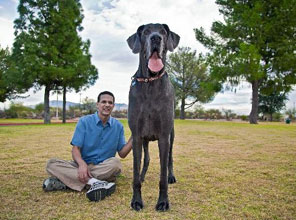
x: 142, y: 178
x: 162, y: 205
x: 171, y: 179
x: 137, y: 204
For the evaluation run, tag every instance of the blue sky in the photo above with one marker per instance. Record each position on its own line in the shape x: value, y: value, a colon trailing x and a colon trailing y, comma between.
x: 108, y: 23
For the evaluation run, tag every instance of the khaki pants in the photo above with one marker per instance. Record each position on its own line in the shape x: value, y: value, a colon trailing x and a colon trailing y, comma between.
x: 67, y: 171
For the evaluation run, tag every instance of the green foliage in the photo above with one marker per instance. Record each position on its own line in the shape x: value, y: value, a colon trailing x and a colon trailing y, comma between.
x: 271, y: 99
x: 47, y: 49
x: 244, y: 117
x: 4, y: 91
x: 229, y: 115
x: 88, y: 106
x: 18, y: 110
x: 190, y: 79
x: 39, y: 108
x: 291, y: 113
x: 8, y: 85
x: 256, y: 42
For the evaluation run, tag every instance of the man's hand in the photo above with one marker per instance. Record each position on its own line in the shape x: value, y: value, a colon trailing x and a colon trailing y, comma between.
x: 126, y: 149
x: 83, y: 173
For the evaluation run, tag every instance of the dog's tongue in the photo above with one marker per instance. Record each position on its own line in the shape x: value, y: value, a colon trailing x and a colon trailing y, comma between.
x: 155, y: 64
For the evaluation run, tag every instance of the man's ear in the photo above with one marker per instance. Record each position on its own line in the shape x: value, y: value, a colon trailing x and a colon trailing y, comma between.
x: 134, y: 40
x: 173, y: 39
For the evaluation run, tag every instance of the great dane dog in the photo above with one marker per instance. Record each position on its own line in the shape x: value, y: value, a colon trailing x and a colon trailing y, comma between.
x: 151, y: 107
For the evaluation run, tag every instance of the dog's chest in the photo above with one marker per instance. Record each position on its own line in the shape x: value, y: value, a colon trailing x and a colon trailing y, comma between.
x: 150, y: 110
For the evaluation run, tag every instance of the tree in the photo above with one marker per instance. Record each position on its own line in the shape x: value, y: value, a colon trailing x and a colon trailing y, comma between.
x: 5, y: 91
x: 189, y: 77
x: 39, y: 110
x: 87, y: 74
x: 47, y: 49
x: 256, y: 42
x: 271, y: 98
x: 88, y: 105
x: 18, y: 110
x: 291, y: 113
x: 229, y: 114
x: 8, y: 85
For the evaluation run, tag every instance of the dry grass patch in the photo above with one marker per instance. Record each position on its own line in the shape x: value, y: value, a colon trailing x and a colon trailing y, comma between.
x: 224, y: 170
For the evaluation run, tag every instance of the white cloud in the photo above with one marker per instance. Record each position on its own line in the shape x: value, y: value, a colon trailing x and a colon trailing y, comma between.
x: 6, y: 36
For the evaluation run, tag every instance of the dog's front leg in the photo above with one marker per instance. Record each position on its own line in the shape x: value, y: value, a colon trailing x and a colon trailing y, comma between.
x: 137, y: 203
x: 163, y: 201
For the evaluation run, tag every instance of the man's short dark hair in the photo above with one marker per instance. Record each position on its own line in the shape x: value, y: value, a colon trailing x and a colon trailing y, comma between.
x: 106, y: 93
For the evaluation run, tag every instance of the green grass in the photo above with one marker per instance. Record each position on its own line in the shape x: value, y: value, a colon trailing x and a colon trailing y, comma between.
x: 224, y: 170
x: 18, y: 120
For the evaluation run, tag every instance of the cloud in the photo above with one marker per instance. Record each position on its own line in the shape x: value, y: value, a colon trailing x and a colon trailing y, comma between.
x: 239, y: 101
x: 8, y: 9
x: 7, y: 36
x: 109, y: 25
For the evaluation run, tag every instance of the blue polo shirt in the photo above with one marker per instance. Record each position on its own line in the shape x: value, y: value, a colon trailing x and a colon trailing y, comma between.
x: 97, y: 142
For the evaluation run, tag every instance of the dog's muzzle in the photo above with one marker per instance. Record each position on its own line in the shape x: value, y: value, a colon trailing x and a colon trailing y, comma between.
x: 155, y: 63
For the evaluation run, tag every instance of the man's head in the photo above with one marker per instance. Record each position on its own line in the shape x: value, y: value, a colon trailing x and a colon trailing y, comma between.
x: 106, y: 93
x: 105, y: 103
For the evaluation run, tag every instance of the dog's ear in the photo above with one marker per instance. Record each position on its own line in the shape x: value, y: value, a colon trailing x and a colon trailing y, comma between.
x: 134, y: 41
x: 173, y: 39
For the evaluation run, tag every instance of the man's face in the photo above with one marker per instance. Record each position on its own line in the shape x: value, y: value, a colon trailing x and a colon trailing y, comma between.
x: 105, y: 106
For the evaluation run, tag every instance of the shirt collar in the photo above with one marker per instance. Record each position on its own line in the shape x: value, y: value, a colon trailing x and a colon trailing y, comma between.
x: 99, y: 121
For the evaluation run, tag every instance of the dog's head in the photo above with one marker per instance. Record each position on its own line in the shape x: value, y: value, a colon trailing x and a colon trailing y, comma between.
x: 153, y: 41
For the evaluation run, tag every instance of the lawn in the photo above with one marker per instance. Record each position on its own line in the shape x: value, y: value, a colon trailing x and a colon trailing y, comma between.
x: 17, y: 120
x: 224, y: 170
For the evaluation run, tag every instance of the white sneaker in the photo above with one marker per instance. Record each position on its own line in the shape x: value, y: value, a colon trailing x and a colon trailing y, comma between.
x: 99, y: 190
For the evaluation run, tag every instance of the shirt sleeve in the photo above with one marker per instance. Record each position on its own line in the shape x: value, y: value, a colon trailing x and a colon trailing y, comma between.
x: 78, y: 136
x: 121, y: 141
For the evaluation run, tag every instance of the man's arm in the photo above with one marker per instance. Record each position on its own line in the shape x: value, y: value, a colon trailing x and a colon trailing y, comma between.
x: 83, y: 171
x: 126, y: 149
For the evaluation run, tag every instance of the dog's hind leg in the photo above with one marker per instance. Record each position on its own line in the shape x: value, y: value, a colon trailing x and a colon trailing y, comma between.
x: 146, y: 160
x: 171, y: 176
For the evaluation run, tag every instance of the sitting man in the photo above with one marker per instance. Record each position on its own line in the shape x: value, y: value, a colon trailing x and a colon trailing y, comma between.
x: 96, y: 140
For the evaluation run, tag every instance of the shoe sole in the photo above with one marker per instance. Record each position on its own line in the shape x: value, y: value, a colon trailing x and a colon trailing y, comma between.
x: 100, y: 194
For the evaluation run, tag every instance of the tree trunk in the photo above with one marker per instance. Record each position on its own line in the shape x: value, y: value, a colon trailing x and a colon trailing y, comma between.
x: 254, y: 111
x: 182, y: 113
x: 64, y: 104
x: 46, y: 106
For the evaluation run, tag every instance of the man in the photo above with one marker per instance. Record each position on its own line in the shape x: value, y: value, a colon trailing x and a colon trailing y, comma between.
x: 96, y: 140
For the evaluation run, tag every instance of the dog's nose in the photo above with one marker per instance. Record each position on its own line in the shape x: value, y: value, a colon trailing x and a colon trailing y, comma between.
x: 155, y: 39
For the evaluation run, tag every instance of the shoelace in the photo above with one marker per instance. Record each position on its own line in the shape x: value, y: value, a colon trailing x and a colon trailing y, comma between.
x: 98, y: 184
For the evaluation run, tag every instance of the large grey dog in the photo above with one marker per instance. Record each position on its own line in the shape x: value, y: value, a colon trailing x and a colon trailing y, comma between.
x: 151, y: 107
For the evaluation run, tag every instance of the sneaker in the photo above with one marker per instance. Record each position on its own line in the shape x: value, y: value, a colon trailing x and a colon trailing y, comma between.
x: 99, y: 190
x: 52, y: 184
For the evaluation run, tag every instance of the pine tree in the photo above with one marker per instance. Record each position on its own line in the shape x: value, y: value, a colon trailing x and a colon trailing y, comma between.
x: 48, y: 50
x: 190, y: 79
x: 256, y: 42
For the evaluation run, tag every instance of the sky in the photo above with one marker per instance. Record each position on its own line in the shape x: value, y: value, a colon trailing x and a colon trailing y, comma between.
x: 108, y: 23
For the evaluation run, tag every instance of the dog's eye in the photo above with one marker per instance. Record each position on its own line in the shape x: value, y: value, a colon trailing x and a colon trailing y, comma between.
x: 163, y: 32
x: 146, y: 32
